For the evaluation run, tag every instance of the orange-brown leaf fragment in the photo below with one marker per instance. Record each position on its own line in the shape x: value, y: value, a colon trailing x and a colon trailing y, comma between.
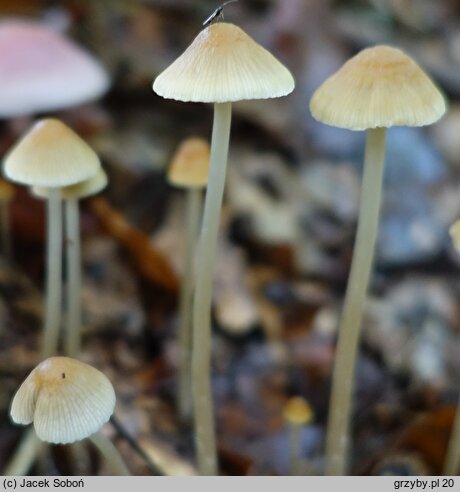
x: 150, y: 263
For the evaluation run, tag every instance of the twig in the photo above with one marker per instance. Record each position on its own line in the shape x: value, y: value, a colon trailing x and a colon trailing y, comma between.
x: 118, y: 426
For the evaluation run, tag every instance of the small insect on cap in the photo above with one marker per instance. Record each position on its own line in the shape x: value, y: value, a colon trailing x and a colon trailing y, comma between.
x: 50, y: 155
x: 297, y: 411
x: 80, y: 190
x: 218, y: 14
x: 65, y: 399
x: 223, y: 64
x: 379, y: 87
x: 190, y: 164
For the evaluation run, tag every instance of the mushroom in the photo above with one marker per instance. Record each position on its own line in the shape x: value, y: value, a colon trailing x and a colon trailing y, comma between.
x: 378, y: 88
x: 67, y: 400
x: 42, y: 71
x: 188, y: 170
x: 51, y: 155
x: 222, y: 65
x: 71, y: 195
x: 297, y: 413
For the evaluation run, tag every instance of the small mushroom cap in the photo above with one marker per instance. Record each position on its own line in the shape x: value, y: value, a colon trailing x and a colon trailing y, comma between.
x: 189, y: 167
x: 65, y: 399
x: 223, y: 64
x: 297, y: 411
x: 51, y: 155
x: 40, y: 70
x: 80, y: 190
x: 379, y: 87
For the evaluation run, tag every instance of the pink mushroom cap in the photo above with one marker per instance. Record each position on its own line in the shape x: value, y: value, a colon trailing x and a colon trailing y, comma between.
x: 40, y: 70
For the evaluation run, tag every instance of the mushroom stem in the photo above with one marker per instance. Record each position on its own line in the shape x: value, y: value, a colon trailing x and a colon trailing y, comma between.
x: 5, y: 234
x: 295, y: 462
x: 80, y: 458
x: 53, y: 273
x: 348, y: 336
x: 25, y: 454
x: 72, y: 245
x: 110, y: 453
x: 452, y: 459
x: 201, y: 339
x: 194, y: 207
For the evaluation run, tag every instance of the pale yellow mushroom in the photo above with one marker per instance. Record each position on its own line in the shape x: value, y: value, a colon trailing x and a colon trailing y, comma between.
x: 53, y: 156
x: 378, y: 88
x: 222, y: 65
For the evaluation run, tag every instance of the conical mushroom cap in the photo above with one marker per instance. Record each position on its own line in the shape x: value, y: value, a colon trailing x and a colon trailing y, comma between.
x: 51, y: 155
x: 66, y: 400
x: 223, y: 64
x: 379, y: 87
x: 80, y: 190
x: 190, y: 164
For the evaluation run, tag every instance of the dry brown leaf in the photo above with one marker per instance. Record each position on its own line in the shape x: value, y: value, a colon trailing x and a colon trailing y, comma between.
x: 429, y: 435
x: 150, y: 263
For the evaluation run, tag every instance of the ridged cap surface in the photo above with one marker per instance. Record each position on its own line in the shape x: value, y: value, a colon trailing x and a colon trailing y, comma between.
x: 379, y: 87
x: 223, y: 64
x: 51, y: 155
x: 65, y: 399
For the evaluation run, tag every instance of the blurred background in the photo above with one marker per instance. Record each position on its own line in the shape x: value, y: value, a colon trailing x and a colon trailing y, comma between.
x: 287, y: 235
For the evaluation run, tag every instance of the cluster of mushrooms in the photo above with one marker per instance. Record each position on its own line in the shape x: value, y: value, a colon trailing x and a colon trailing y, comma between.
x: 379, y: 88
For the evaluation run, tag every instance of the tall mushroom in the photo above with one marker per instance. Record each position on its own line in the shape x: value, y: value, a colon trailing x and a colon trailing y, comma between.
x: 378, y: 88
x: 222, y: 65
x: 52, y: 156
x: 189, y: 170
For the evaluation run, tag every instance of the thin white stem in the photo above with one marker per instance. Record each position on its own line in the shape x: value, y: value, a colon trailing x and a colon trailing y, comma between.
x: 5, y: 230
x: 73, y: 291
x: 110, y: 453
x: 194, y: 207
x: 53, y: 274
x: 452, y: 459
x: 80, y: 458
x: 295, y: 449
x: 349, y: 331
x: 25, y: 454
x: 201, y: 356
